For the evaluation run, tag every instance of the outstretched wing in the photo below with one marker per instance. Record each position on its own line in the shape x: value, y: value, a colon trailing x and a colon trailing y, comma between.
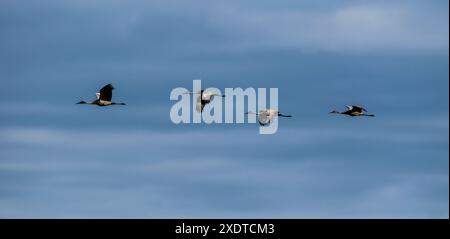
x: 106, y: 92
x: 358, y: 108
x: 199, y: 106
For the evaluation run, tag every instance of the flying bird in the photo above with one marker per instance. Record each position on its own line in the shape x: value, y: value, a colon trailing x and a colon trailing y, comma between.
x: 103, y: 97
x: 353, y: 110
x: 266, y: 116
x: 204, y: 98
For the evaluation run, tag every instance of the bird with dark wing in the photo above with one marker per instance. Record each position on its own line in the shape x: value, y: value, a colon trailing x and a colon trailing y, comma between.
x: 104, y: 97
x: 353, y: 110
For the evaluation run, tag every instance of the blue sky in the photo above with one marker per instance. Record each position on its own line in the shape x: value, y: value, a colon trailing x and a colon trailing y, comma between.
x: 61, y: 160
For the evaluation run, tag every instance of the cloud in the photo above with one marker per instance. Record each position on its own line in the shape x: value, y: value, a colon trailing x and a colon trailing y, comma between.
x: 399, y: 196
x: 349, y: 28
x: 233, y: 173
x: 136, y: 28
x: 58, y: 159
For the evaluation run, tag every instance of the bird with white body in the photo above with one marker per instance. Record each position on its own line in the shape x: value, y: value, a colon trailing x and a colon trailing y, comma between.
x: 266, y: 116
x: 204, y: 98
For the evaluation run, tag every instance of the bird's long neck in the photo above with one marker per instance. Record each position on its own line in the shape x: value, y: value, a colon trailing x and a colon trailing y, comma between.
x: 369, y: 115
x: 192, y: 93
x: 86, y: 102
x: 251, y: 113
x: 114, y: 103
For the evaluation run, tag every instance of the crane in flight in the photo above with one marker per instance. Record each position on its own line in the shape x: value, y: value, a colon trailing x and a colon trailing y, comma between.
x: 204, y: 98
x: 266, y: 116
x: 353, y: 110
x: 103, y: 97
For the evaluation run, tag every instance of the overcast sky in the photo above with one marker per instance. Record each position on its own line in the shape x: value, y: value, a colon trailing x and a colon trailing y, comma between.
x: 62, y: 160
